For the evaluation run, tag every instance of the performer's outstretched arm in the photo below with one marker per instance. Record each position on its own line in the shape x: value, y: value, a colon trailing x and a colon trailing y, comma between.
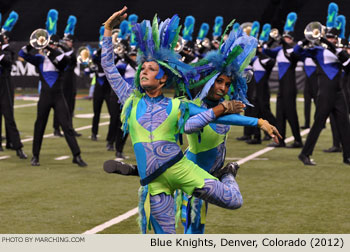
x: 122, y: 88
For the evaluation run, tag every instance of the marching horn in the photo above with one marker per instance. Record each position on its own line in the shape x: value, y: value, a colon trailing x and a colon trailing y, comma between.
x: 39, y: 39
x: 314, y: 31
x: 274, y: 33
x: 84, y: 56
x: 247, y: 27
x: 179, y: 45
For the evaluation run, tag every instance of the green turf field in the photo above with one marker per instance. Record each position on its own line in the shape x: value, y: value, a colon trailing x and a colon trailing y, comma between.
x: 280, y: 194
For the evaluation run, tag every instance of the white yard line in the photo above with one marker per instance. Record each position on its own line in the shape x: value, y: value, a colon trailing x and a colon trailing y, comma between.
x: 112, y: 222
x: 25, y: 105
x: 4, y: 157
x: 134, y: 211
x: 51, y: 135
x: 62, y: 158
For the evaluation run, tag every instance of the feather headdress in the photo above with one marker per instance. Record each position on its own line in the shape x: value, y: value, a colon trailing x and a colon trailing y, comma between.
x: 235, y: 26
x: 51, y: 21
x: 290, y: 22
x: 231, y: 59
x: 332, y: 15
x: 255, y: 29
x: 265, y: 33
x: 217, y: 28
x: 188, y: 28
x: 156, y: 42
x: 71, y: 22
x: 132, y: 21
x: 10, y: 22
x: 341, y: 22
x: 123, y: 29
x: 203, y: 31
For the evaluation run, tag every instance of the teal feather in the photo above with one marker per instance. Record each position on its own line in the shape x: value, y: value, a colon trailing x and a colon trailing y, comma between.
x: 10, y: 21
x: 332, y: 15
x: 71, y: 22
x: 0, y: 19
x: 290, y: 22
x: 226, y: 30
x: 51, y: 21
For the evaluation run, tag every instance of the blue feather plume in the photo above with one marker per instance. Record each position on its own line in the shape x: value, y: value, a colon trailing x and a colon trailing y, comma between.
x: 0, y: 20
x: 255, y: 29
x: 51, y: 21
x: 171, y: 31
x: 217, y: 29
x: 203, y: 31
x: 124, y: 26
x: 102, y: 30
x: 188, y: 28
x: 71, y: 22
x: 10, y: 21
x: 133, y: 19
x: 235, y: 26
x: 290, y: 22
x: 265, y: 33
x: 341, y: 22
x: 332, y: 15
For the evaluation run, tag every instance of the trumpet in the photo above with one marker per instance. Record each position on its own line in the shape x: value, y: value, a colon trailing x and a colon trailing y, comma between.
x: 179, y: 45
x: 115, y: 34
x: 247, y: 27
x: 84, y: 56
x: 119, y: 49
x: 202, y: 44
x: 39, y: 39
x: 314, y: 31
x: 274, y: 33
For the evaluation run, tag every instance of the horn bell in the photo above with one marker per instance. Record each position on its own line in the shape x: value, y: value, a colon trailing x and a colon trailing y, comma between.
x: 39, y: 39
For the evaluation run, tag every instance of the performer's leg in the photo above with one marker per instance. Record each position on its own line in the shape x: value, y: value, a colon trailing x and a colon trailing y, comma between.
x: 162, y: 213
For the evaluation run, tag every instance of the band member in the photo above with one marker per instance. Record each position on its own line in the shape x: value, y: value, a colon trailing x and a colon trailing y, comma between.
x: 69, y: 86
x: 51, y: 67
x: 331, y: 98
x: 287, y: 91
x: 7, y: 58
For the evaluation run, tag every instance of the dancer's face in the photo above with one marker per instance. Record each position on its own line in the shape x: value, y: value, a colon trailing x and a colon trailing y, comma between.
x: 220, y: 87
x: 149, y: 71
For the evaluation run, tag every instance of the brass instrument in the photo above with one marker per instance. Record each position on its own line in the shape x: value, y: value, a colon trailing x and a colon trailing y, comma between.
x: 39, y: 39
x: 246, y: 27
x: 84, y: 56
x: 314, y: 31
x: 179, y: 45
x: 115, y: 34
x: 274, y: 33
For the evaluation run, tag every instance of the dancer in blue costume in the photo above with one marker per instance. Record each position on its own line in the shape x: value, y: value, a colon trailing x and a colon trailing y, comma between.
x: 153, y: 122
x: 207, y: 141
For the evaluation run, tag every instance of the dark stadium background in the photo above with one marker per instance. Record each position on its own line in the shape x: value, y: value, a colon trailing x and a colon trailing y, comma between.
x: 92, y: 13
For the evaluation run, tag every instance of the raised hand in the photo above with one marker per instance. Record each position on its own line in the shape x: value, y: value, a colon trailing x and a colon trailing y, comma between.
x: 116, y: 19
